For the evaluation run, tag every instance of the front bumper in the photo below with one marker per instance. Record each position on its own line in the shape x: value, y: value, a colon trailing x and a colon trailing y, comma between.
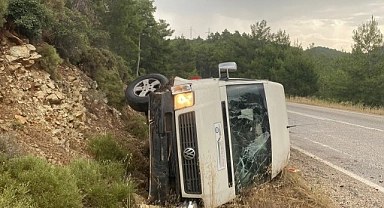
x: 164, y: 180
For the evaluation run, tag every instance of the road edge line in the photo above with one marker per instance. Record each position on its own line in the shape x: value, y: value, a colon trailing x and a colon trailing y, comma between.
x: 350, y: 174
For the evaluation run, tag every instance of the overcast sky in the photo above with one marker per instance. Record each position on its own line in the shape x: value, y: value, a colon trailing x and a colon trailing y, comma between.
x: 328, y: 23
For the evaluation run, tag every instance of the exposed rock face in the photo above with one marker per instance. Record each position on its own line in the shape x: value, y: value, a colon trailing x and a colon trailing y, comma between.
x: 22, y: 52
x: 50, y: 118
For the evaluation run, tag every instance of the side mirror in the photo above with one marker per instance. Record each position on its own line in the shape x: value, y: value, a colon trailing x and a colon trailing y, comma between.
x: 227, y: 67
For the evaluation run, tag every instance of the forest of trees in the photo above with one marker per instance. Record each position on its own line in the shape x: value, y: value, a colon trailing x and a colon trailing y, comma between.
x: 114, y: 41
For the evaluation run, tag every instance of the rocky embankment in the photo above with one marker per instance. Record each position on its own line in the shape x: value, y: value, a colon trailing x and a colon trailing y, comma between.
x: 49, y: 118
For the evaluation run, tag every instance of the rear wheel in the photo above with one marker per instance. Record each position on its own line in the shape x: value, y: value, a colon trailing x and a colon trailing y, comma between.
x: 137, y: 92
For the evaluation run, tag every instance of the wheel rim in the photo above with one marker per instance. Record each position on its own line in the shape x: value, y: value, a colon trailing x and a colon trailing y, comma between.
x: 144, y: 87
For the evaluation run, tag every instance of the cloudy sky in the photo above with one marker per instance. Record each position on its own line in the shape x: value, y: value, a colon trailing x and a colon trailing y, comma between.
x: 328, y: 23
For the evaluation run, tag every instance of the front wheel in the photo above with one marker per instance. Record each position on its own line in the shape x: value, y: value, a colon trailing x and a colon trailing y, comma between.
x: 137, y: 92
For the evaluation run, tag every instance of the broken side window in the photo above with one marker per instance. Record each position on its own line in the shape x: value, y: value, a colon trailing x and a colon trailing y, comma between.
x: 250, y: 134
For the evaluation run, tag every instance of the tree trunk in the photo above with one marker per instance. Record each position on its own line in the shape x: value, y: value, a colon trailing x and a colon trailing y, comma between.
x: 138, y: 58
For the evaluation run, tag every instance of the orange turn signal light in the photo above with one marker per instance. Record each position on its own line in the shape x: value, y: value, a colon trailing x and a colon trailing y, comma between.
x: 183, y: 100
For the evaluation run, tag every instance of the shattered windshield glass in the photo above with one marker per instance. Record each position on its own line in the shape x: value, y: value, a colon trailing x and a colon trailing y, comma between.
x: 250, y: 134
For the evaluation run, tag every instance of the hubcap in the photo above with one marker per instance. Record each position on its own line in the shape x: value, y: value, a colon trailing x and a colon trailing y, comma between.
x: 143, y: 88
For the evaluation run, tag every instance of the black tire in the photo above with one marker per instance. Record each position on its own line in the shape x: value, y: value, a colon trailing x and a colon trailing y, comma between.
x: 137, y: 92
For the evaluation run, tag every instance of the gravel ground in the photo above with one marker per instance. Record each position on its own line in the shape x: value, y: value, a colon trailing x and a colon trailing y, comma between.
x: 342, y: 189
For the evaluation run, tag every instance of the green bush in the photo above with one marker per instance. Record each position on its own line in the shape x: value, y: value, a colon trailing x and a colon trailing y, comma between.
x: 29, y: 16
x: 68, y: 33
x: 110, y: 83
x: 3, y: 11
x: 103, y: 184
x: 105, y: 147
x: 14, y: 194
x: 35, y: 183
x: 108, y: 70
x: 137, y: 126
x: 50, y: 60
x: 32, y: 182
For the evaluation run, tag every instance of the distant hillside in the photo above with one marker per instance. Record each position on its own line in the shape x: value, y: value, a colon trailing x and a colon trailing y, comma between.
x: 324, y: 58
x: 323, y: 51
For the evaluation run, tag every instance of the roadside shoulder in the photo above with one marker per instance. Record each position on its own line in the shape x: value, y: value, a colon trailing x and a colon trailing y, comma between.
x: 342, y: 189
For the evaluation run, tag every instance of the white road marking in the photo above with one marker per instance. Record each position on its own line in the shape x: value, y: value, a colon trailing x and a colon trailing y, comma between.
x: 327, y: 146
x: 350, y: 174
x: 335, y: 109
x: 337, y: 121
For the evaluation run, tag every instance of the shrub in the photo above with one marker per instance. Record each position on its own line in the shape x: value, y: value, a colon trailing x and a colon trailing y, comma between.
x: 16, y: 125
x: 50, y: 60
x: 103, y: 184
x: 15, y: 195
x: 33, y: 179
x: 110, y: 83
x: 104, y: 147
x: 137, y: 126
x: 108, y: 70
x: 3, y: 10
x: 29, y: 16
x: 68, y: 33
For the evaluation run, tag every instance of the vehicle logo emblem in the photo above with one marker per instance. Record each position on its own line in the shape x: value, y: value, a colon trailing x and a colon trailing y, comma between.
x: 189, y: 153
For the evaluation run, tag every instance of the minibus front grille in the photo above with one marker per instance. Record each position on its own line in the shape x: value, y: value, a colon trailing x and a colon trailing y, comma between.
x: 189, y: 153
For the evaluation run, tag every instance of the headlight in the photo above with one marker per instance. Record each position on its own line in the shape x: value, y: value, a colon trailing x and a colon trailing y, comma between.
x: 183, y: 100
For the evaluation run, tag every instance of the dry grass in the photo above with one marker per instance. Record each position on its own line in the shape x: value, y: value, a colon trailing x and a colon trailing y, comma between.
x: 344, y: 105
x: 289, y: 189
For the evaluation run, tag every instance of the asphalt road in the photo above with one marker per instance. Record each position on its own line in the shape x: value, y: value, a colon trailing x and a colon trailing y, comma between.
x: 352, y: 141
